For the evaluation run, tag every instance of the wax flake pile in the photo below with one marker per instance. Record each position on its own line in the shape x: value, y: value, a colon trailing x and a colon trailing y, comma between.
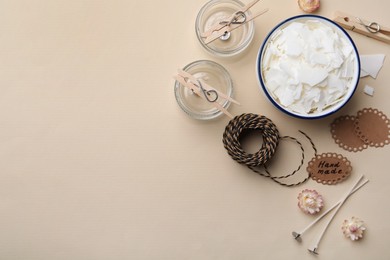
x: 308, y: 66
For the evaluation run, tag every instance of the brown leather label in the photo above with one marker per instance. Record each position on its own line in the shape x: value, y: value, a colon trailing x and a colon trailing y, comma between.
x: 329, y: 168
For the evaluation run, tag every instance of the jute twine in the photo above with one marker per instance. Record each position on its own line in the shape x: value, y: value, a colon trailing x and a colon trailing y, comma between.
x: 235, y: 130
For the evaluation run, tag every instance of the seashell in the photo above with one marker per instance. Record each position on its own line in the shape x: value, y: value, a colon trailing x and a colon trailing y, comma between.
x: 309, y: 6
x: 353, y: 228
x: 310, y: 201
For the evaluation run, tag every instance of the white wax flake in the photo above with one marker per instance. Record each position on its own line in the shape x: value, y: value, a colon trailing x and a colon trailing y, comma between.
x: 287, y: 68
x: 369, y: 90
x: 346, y: 48
x: 308, y: 66
x: 371, y: 64
x: 285, y: 96
x: 336, y: 60
x: 346, y: 70
x: 294, y: 47
x: 277, y: 76
x: 317, y: 58
x: 311, y: 75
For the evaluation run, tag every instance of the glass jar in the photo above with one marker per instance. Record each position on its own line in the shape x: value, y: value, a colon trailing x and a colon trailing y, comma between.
x: 232, y: 43
x: 214, y: 75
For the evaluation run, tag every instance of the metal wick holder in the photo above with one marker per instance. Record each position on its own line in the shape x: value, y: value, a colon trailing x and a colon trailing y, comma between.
x: 216, y: 16
x: 238, y: 18
x: 204, y: 90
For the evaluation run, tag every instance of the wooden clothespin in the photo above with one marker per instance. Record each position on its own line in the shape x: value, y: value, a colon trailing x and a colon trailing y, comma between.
x: 236, y: 20
x: 371, y: 29
x: 203, y: 90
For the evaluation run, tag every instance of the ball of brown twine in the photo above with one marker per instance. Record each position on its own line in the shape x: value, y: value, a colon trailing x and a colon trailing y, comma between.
x: 234, y: 131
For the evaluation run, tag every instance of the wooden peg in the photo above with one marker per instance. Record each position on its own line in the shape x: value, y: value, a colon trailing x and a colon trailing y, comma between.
x: 363, y: 27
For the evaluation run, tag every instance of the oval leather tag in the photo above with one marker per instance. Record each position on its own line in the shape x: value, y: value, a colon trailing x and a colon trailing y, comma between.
x: 329, y: 168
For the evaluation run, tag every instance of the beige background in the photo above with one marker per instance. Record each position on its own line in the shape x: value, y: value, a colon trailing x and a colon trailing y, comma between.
x: 97, y: 161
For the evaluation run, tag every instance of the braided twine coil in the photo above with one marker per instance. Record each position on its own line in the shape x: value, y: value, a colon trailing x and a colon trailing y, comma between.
x: 271, y: 137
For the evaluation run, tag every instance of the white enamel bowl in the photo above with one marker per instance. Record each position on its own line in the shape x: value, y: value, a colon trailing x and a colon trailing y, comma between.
x: 352, y: 83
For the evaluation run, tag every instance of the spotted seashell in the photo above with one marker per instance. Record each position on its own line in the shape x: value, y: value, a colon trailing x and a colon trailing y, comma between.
x: 309, y: 6
x: 353, y: 228
x: 310, y: 201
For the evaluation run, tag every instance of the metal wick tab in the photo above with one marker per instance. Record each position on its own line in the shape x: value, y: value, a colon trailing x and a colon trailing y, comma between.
x: 313, y: 251
x: 297, y: 236
x: 225, y: 36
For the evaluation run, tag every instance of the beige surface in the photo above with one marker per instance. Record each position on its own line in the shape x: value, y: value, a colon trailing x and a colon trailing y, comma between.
x: 99, y: 162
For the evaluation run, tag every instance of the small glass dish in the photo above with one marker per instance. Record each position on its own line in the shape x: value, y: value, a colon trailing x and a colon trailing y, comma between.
x: 233, y: 43
x: 214, y: 75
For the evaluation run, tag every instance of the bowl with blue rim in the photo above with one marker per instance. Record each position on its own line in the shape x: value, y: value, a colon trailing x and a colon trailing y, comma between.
x: 308, y: 67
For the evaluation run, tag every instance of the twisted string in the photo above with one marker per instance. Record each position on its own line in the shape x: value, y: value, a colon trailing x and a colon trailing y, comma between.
x: 311, y: 142
x: 235, y: 130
